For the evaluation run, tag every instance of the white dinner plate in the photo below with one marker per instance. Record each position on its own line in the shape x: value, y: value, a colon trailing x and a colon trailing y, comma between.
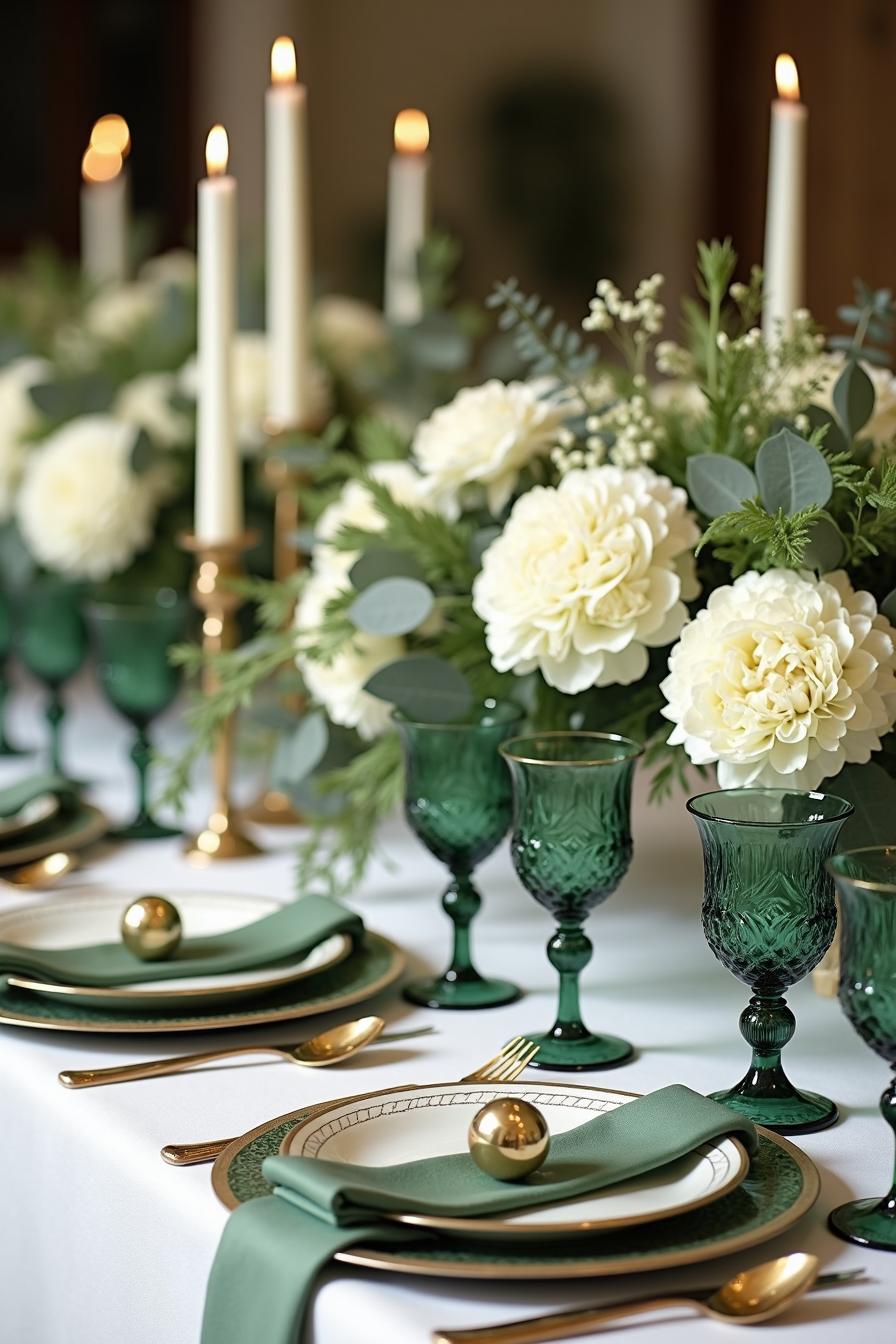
x: 35, y: 812
x: 95, y: 918
x: 404, y: 1124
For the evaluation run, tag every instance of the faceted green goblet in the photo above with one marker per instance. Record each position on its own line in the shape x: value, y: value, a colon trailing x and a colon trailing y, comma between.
x: 6, y: 629
x: 769, y: 916
x: 132, y: 641
x: 458, y: 801
x: 866, y: 880
x: 571, y: 846
x: 52, y: 643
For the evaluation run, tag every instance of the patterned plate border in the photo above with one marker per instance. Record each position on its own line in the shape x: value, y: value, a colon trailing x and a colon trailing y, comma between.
x: 780, y: 1161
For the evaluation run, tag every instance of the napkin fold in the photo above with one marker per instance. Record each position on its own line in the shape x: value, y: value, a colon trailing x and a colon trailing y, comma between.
x: 15, y: 796
x: 273, y: 1247
x: 285, y: 935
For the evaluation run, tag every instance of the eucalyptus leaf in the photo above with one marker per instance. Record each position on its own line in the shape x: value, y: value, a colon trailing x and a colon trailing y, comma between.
x: 826, y: 547
x: 719, y: 484
x: 142, y: 453
x: 439, y: 342
x: 297, y: 753
x: 274, y: 716
x: 301, y: 539
x: 888, y: 607
x: 379, y: 562
x: 792, y: 474
x: 481, y: 540
x: 391, y: 607
x: 835, y: 440
x: 425, y: 688
x: 872, y: 793
x: 853, y: 398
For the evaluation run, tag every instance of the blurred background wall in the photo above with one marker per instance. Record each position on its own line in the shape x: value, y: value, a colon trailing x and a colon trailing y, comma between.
x: 570, y: 138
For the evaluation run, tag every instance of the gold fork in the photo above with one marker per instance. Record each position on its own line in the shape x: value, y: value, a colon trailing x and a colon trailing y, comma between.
x: 503, y: 1067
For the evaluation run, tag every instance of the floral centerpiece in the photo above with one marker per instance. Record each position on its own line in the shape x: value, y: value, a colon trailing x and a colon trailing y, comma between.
x: 704, y: 560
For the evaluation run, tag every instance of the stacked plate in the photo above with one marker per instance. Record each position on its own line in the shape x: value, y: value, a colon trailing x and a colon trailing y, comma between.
x: 43, y: 826
x: 331, y: 975
x: 710, y: 1203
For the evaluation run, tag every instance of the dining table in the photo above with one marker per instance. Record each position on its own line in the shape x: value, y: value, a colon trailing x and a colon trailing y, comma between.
x: 101, y: 1242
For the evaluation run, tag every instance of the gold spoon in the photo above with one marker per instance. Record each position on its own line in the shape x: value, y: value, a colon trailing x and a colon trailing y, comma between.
x: 44, y: 872
x: 330, y: 1047
x: 752, y: 1296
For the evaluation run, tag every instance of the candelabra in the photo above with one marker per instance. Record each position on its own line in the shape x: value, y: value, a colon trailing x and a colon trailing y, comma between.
x: 217, y: 564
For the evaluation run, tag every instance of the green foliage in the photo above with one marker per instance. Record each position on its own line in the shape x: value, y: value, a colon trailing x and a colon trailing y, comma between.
x: 751, y: 538
x: 549, y: 348
x: 873, y: 318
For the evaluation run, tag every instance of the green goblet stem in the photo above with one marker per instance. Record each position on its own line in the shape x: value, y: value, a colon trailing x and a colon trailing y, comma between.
x: 6, y: 747
x: 54, y: 714
x: 569, y: 952
x: 461, y: 903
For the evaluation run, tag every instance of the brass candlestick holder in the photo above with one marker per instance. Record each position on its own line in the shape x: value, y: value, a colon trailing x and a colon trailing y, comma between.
x: 216, y: 563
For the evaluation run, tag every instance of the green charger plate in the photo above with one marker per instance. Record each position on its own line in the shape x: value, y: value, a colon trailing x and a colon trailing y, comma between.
x: 72, y: 828
x: 781, y: 1185
x: 375, y: 964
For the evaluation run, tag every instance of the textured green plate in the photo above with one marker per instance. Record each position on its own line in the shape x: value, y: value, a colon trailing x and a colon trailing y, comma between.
x: 781, y: 1186
x: 375, y: 964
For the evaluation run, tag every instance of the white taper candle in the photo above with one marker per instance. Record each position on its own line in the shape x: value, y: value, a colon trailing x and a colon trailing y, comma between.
x: 785, y: 220
x: 407, y: 217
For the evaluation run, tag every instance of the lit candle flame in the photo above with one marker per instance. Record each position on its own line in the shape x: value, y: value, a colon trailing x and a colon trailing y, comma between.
x: 99, y: 165
x: 787, y: 79
x: 110, y: 135
x: 216, y: 151
x: 283, y: 61
x: 411, y: 131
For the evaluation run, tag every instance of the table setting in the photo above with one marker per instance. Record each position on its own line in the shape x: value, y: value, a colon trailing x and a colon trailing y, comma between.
x: 602, y: 650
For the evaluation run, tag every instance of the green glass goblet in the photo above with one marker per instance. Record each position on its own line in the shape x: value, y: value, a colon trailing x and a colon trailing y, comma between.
x: 458, y: 801
x: 52, y: 643
x: 769, y: 916
x: 571, y: 846
x: 866, y: 880
x: 6, y: 638
x: 132, y: 641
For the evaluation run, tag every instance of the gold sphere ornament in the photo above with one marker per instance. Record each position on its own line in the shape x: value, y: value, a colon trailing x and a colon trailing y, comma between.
x: 151, y: 928
x: 508, y: 1138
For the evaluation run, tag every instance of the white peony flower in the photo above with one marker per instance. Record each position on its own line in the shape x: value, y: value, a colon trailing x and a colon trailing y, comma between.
x: 145, y: 403
x: 250, y: 388
x: 782, y: 679
x: 117, y: 313
x: 588, y: 575
x: 348, y: 333
x: 176, y: 267
x: 476, y: 446
x: 355, y: 507
x: 339, y: 685
x: 19, y: 418
x: 81, y: 509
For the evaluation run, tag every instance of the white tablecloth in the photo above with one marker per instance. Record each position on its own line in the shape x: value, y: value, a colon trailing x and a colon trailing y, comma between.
x: 102, y: 1243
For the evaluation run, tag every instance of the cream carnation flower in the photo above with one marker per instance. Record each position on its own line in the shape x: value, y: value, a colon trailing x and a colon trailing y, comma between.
x: 145, y: 403
x: 348, y: 333
x: 82, y: 510
x: 476, y: 446
x: 782, y: 679
x: 355, y: 507
x: 339, y: 684
x: 19, y: 417
x: 587, y: 576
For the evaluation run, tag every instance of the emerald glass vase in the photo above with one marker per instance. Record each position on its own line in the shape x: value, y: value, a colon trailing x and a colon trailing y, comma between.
x: 52, y: 643
x: 571, y: 846
x: 6, y: 636
x: 133, y: 641
x: 769, y: 916
x: 866, y: 880
x: 458, y: 802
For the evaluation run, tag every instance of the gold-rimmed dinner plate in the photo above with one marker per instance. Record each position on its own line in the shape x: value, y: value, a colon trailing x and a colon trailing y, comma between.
x: 71, y: 828
x: 412, y: 1123
x: 34, y: 813
x: 96, y: 918
x: 781, y: 1186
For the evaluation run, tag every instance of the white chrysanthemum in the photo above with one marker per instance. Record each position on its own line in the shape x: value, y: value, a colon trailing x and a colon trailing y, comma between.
x: 355, y: 507
x: 145, y: 402
x: 250, y: 388
x: 117, y: 313
x: 782, y: 679
x: 176, y: 267
x: 476, y: 446
x: 588, y: 575
x: 348, y: 333
x: 681, y: 396
x: 339, y: 684
x: 18, y: 418
x: 82, y: 510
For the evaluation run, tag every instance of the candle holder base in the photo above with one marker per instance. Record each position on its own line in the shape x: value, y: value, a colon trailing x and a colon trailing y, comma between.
x: 212, y: 844
x: 273, y: 808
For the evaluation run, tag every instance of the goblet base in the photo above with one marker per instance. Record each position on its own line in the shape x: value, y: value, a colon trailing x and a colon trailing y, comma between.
x: 462, y: 994
x: 576, y: 1055
x: 144, y: 828
x: 866, y: 1223
x: 799, y: 1113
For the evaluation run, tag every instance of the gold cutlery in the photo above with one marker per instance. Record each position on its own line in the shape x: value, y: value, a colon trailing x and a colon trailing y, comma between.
x: 329, y: 1047
x: 42, y: 873
x: 503, y: 1067
x: 752, y: 1296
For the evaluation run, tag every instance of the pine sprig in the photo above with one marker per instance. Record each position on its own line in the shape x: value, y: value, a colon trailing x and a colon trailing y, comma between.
x: 771, y: 539
x: 550, y: 348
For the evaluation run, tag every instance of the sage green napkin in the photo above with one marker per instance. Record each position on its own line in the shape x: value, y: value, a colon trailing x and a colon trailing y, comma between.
x: 15, y: 796
x: 273, y: 1248
x: 285, y: 935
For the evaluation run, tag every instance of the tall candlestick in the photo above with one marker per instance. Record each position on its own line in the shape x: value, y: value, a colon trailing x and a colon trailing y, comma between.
x: 407, y: 217
x: 219, y: 498
x: 288, y: 241
x: 785, y: 220
x: 104, y: 203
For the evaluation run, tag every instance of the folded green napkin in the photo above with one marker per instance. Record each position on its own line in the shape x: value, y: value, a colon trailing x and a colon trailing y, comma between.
x: 285, y: 935
x: 15, y: 796
x: 273, y: 1247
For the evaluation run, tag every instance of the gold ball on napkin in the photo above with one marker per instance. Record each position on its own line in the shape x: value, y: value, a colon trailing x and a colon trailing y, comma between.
x: 508, y: 1138
x: 151, y: 928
